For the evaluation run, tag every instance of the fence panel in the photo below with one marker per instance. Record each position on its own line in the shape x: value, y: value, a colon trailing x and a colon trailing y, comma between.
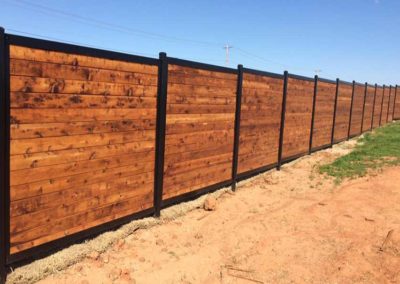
x: 82, y: 143
x: 260, y: 121
x: 299, y: 102
x: 200, y: 127
x: 368, y: 108
x: 356, y: 114
x: 391, y: 103
x: 323, y: 115
x: 343, y: 111
x: 377, y: 106
x: 385, y: 103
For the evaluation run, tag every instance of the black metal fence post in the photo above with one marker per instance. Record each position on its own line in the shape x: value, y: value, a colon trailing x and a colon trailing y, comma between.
x: 351, y: 111
x: 334, y: 112
x: 160, y: 131
x: 283, y: 113
x: 373, y: 108
x: 237, y: 126
x: 313, y: 113
x: 5, y: 157
x: 363, y: 110
x: 383, y: 96
x: 388, y: 107
x: 394, y: 104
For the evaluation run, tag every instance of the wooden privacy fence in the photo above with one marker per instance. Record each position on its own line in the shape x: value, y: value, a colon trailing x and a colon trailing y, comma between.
x: 92, y: 139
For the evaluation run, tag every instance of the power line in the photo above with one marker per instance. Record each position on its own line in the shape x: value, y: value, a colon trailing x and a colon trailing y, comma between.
x: 77, y: 43
x: 262, y: 59
x: 111, y: 26
x: 114, y: 27
x: 105, y: 48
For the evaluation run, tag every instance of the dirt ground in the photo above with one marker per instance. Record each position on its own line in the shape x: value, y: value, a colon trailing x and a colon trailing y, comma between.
x: 292, y: 226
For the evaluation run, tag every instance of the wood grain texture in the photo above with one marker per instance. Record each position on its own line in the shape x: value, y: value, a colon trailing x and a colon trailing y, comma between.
x: 260, y: 121
x: 323, y: 116
x: 200, y: 126
x: 343, y: 112
x: 297, y: 129
x: 82, y: 143
x: 356, y: 114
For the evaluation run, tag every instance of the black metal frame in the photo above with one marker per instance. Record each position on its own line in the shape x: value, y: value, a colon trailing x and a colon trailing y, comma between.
x: 388, y: 108
x: 322, y: 147
x: 204, y: 66
x: 334, y: 112
x: 383, y: 98
x: 283, y: 113
x: 251, y: 173
x: 5, y: 155
x: 160, y: 131
x: 293, y: 157
x: 363, y: 111
x: 327, y: 80
x: 359, y: 84
x: 351, y: 111
x: 77, y: 49
x: 300, y: 77
x: 7, y: 147
x: 340, y: 140
x: 394, y: 104
x: 194, y: 194
x: 262, y: 73
x: 313, y: 114
x: 238, y: 111
x: 373, y: 108
x: 346, y: 83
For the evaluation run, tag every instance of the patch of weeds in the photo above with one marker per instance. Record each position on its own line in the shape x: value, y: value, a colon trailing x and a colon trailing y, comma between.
x: 372, y: 152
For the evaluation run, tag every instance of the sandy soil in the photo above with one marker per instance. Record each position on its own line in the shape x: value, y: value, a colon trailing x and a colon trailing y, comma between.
x: 292, y: 226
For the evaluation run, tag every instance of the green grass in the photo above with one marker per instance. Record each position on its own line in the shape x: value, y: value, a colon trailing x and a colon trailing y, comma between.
x: 373, y: 151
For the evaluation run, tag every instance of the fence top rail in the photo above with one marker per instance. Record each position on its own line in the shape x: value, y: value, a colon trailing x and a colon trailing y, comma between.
x: 300, y: 77
x: 345, y: 82
x: 327, y: 80
x: 77, y: 49
x: 263, y: 73
x: 200, y: 65
x: 359, y: 84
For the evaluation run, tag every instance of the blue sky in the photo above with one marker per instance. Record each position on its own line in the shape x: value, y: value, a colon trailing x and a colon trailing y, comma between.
x: 350, y: 39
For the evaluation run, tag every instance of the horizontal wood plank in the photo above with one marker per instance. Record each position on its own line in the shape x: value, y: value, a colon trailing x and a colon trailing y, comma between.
x: 82, y: 143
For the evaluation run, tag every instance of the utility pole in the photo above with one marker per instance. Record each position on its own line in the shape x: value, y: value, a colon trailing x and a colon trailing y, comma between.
x: 227, y: 47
